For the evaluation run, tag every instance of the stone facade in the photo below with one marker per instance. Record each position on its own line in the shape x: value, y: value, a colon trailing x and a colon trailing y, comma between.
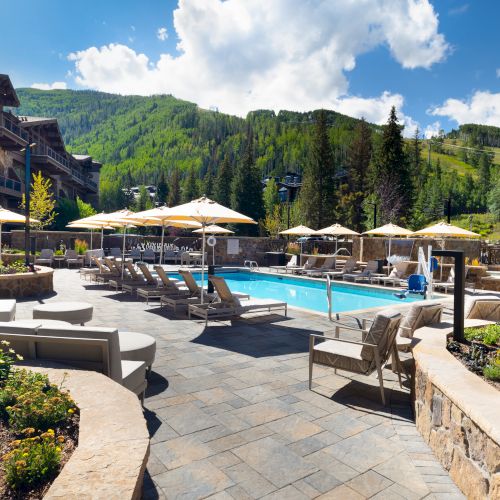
x: 457, y: 415
x: 15, y: 286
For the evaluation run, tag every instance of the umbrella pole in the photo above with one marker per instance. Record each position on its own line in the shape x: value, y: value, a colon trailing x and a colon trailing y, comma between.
x: 123, y: 248
x: 1, y: 243
x: 388, y: 263
x: 203, y: 264
x: 161, y: 248
x: 102, y: 238
x: 91, y: 233
x: 336, y: 244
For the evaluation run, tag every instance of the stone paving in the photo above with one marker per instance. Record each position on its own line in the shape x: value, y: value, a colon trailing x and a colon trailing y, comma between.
x: 230, y: 414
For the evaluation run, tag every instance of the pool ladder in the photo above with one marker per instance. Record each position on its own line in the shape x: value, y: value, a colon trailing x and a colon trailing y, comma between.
x: 251, y: 265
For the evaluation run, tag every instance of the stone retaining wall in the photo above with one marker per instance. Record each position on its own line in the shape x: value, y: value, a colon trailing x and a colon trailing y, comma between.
x: 458, y: 415
x: 113, y: 441
x: 15, y: 286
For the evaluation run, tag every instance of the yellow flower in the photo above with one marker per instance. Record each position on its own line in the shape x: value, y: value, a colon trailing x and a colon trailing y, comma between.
x: 50, y: 431
x: 5, y: 342
x: 60, y: 439
x: 70, y: 411
x: 57, y: 448
x: 25, y: 454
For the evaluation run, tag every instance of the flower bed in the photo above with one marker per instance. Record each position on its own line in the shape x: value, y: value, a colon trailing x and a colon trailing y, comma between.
x: 481, y: 353
x: 38, y: 429
x: 27, y: 284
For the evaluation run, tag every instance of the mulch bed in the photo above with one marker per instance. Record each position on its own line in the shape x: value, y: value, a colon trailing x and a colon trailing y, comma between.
x: 70, y: 432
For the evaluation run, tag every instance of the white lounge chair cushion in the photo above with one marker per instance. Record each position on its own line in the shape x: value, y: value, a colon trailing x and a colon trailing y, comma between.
x: 341, y: 355
x: 134, y: 376
x: 483, y: 307
x: 137, y: 347
x: 72, y: 312
x: 7, y: 309
x: 259, y: 303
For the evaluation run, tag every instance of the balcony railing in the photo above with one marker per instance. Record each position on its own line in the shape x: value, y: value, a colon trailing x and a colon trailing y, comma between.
x: 14, y: 128
x: 10, y: 184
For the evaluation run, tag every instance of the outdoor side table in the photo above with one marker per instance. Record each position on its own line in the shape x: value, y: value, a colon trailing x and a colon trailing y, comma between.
x: 59, y: 259
x: 77, y: 313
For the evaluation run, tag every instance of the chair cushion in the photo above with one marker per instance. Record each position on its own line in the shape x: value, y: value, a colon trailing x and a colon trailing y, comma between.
x: 341, y: 355
x: 72, y: 312
x: 382, y: 333
x: 134, y: 376
x: 7, y: 309
x: 137, y: 347
x: 421, y: 313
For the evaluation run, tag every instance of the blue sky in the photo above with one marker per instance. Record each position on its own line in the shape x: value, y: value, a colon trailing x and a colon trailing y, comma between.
x: 437, y: 61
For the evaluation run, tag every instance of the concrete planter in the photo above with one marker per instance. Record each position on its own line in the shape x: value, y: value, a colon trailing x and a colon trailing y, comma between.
x: 458, y: 414
x: 15, y: 286
x: 113, y: 442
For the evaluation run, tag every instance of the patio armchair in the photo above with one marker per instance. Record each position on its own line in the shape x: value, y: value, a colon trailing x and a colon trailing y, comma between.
x: 135, y: 254
x: 71, y: 258
x: 485, y: 307
x: 46, y: 257
x: 149, y: 256
x: 170, y: 256
x: 115, y: 252
x: 362, y: 357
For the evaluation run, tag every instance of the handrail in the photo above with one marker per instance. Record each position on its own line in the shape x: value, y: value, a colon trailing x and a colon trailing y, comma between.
x: 339, y: 250
x: 10, y: 184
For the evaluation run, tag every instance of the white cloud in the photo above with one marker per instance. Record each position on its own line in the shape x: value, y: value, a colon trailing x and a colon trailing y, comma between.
x: 498, y: 72
x: 162, y: 34
x: 483, y: 107
x: 49, y: 86
x: 241, y: 55
x: 432, y: 130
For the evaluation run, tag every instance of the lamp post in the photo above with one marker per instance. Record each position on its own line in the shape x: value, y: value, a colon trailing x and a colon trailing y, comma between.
x: 27, y: 181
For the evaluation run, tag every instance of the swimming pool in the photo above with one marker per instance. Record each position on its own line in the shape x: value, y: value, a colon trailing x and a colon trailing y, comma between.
x: 309, y: 294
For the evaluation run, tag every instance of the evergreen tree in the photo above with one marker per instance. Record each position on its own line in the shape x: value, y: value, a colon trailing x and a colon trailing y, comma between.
x: 485, y: 172
x: 271, y: 196
x: 393, y: 180
x: 318, y: 186
x: 143, y: 200
x: 358, y: 162
x: 208, y: 183
x: 174, y: 192
x: 246, y: 189
x: 161, y: 189
x: 222, y: 189
x: 190, y: 190
x: 494, y: 199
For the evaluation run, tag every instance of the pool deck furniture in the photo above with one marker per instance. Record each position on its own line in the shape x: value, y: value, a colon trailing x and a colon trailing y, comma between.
x: 290, y: 265
x: 136, y: 346
x: 229, y: 305
x: 328, y: 265
x: 398, y: 276
x: 76, y: 313
x: 485, y: 307
x: 348, y: 267
x: 46, y: 257
x: 150, y: 282
x: 130, y: 277
x: 166, y: 287
x: 72, y: 259
x: 361, y: 357
x: 106, y: 271
x: 367, y: 274
x: 7, y: 309
x: 309, y: 264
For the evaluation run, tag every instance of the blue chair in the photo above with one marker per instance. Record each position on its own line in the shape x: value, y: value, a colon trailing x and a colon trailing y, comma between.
x: 416, y: 284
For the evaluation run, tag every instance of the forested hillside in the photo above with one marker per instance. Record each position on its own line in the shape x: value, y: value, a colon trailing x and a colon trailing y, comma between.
x: 348, y: 165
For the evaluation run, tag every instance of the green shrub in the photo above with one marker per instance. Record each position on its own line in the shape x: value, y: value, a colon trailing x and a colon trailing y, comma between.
x: 492, y: 369
x: 29, y: 400
x: 489, y: 334
x: 81, y: 247
x: 7, y: 359
x: 33, y: 461
x: 14, y: 268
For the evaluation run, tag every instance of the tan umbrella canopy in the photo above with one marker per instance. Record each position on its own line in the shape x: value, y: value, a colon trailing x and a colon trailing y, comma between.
x: 207, y: 212
x: 8, y: 217
x: 389, y: 230
x: 445, y: 230
x: 160, y: 216
x: 298, y: 231
x: 337, y: 230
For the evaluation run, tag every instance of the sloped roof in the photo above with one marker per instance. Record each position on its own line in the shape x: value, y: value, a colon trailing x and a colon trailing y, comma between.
x: 8, y: 96
x: 50, y: 127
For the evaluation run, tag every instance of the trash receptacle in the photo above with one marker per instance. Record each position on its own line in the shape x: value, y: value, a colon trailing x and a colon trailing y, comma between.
x: 275, y: 258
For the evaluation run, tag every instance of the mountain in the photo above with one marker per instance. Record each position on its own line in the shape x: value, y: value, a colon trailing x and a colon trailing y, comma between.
x: 136, y: 137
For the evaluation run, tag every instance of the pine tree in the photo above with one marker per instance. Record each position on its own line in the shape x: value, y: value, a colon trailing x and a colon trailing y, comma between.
x: 190, y: 189
x: 222, y: 189
x: 246, y: 189
x: 208, y: 183
x: 318, y: 186
x: 161, y: 189
x: 393, y: 180
x: 485, y: 172
x: 174, y: 192
x: 358, y: 163
x: 143, y: 201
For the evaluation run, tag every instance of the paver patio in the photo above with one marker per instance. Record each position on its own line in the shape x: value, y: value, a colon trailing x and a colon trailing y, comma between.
x: 230, y: 414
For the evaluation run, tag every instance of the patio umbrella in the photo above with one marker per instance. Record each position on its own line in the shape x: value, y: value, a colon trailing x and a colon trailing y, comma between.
x: 299, y: 231
x: 96, y: 222
x: 161, y: 217
x: 337, y: 230
x: 207, y: 212
x: 389, y: 230
x: 214, y: 229
x: 8, y: 217
x: 92, y: 227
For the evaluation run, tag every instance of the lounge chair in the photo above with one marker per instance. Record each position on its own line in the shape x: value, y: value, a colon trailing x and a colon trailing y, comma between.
x: 229, y: 305
x: 130, y: 277
x: 449, y: 284
x: 398, y: 276
x: 362, y: 357
x: 328, y: 265
x: 106, y: 271
x: 46, y: 257
x: 166, y: 286
x: 309, y: 264
x: 290, y: 265
x: 367, y: 274
x: 149, y: 280
x: 485, y: 307
x: 349, y: 266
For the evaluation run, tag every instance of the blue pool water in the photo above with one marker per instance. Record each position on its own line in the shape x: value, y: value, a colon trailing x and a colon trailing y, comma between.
x: 307, y: 294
